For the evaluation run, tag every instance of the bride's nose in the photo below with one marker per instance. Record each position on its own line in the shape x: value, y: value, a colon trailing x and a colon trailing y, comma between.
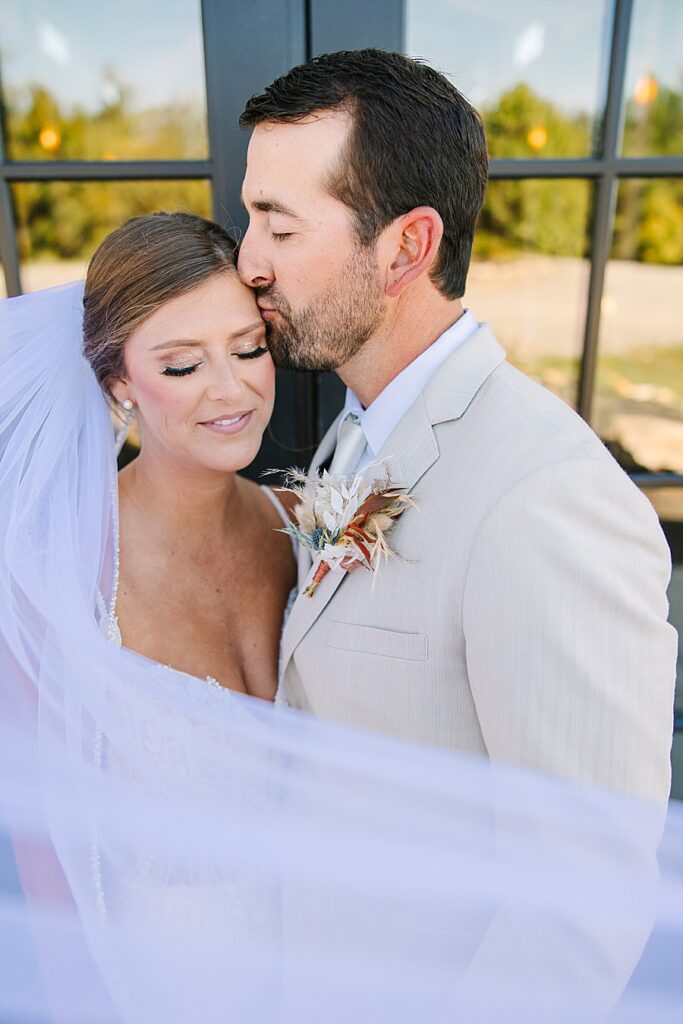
x: 225, y: 384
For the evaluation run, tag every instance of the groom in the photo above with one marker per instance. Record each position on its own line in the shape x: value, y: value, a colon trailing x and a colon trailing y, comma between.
x: 526, y: 617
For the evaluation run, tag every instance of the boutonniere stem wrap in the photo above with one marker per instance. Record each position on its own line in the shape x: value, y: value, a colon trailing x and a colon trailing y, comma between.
x: 344, y: 521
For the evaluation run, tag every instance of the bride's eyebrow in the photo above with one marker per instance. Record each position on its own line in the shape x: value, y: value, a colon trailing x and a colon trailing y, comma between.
x: 193, y: 343
x: 178, y: 343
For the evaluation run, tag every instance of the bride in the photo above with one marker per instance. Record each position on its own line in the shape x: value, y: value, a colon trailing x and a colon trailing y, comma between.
x: 177, y: 561
x: 175, y: 339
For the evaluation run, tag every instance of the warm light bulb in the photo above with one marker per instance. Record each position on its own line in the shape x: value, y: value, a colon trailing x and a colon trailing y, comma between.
x: 49, y: 138
x: 646, y: 90
x: 537, y: 137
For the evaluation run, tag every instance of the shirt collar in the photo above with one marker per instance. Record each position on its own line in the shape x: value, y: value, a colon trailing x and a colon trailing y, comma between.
x: 382, y: 415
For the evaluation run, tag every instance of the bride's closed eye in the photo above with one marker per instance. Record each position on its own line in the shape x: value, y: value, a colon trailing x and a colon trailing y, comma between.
x: 179, y: 371
x: 255, y: 353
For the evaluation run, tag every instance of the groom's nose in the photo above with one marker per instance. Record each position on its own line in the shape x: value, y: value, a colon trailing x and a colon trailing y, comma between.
x: 253, y: 268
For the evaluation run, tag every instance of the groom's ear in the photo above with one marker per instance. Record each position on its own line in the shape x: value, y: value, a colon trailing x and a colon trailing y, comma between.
x: 414, y: 239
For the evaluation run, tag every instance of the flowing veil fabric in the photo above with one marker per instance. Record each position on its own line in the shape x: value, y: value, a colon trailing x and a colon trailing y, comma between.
x: 170, y: 851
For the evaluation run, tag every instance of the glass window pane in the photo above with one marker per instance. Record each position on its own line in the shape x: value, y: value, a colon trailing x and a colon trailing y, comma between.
x: 84, y: 81
x: 61, y: 223
x: 674, y: 535
x: 529, y: 276
x: 653, y: 123
x: 638, y: 404
x: 517, y: 63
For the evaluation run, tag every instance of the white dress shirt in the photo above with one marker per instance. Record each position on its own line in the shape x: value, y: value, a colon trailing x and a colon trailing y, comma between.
x: 391, y: 405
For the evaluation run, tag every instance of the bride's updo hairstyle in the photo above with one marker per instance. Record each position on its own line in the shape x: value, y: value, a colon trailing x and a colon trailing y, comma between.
x: 139, y: 267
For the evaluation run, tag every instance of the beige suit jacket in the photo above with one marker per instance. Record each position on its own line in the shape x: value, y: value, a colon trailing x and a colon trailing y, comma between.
x: 526, y: 618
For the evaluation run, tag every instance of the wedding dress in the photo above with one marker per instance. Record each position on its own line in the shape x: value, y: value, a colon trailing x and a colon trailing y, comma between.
x: 177, y: 852
x: 191, y: 897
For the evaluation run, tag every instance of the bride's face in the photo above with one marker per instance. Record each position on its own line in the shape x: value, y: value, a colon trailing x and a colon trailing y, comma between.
x: 201, y: 377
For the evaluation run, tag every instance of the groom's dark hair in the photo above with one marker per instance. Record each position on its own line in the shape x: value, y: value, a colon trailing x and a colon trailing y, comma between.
x: 415, y: 141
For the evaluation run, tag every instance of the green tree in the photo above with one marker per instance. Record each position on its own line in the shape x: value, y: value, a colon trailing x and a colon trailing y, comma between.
x: 648, y: 224
x: 67, y: 220
x: 534, y: 215
x: 519, y: 112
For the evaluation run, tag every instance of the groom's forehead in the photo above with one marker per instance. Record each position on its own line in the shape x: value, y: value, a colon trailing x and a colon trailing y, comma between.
x: 307, y: 147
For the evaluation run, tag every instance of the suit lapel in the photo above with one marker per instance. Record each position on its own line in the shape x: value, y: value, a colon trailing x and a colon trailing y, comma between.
x: 406, y: 456
x: 324, y: 452
x: 305, y: 609
x: 404, y: 463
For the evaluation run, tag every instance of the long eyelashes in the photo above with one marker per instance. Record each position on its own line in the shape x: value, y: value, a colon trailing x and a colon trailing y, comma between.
x: 184, y: 371
x: 254, y: 354
x: 179, y: 371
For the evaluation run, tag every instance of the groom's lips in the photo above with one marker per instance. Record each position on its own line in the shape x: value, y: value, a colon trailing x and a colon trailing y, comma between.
x: 267, y: 312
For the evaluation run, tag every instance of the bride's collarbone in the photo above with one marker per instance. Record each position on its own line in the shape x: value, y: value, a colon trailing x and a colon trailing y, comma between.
x: 202, y: 594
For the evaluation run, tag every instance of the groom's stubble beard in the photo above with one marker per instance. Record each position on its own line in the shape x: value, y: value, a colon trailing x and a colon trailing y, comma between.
x: 335, y: 325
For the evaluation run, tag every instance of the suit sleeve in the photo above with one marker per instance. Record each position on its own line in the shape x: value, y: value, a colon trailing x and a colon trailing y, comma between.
x: 570, y: 658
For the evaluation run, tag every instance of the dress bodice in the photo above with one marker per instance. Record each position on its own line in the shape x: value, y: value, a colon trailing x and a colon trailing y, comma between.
x: 153, y: 889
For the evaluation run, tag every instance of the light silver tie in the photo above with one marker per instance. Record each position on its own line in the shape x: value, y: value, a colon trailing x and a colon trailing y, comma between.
x: 351, y: 444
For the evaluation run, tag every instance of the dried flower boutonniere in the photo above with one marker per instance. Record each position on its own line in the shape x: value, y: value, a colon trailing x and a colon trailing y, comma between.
x: 344, y: 521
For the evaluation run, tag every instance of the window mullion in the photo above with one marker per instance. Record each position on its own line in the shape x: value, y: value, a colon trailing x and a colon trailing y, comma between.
x: 604, y: 202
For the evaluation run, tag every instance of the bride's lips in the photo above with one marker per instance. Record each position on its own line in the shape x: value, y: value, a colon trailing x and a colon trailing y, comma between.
x: 229, y: 424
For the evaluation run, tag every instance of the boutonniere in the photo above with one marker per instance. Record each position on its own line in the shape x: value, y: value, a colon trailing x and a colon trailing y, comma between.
x: 344, y: 521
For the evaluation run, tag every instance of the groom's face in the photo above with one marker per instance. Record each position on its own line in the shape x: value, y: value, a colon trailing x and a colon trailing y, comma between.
x: 318, y: 288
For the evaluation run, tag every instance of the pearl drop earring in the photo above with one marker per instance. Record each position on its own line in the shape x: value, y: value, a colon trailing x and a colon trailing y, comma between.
x: 127, y: 419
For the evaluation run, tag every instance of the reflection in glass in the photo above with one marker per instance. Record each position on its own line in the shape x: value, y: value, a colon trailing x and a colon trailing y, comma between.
x: 653, y: 123
x: 120, y: 81
x: 638, y: 405
x: 517, y: 63
x: 60, y: 223
x: 529, y: 276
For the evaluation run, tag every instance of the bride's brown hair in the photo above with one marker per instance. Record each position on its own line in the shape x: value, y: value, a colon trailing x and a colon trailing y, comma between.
x: 139, y: 267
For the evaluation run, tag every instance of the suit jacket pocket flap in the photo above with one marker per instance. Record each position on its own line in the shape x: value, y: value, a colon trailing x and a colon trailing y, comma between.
x: 344, y: 636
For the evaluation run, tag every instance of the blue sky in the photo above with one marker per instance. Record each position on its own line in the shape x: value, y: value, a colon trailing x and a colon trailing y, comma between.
x: 557, y: 46
x: 155, y: 46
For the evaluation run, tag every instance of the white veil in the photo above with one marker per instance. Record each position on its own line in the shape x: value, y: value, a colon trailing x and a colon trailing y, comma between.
x: 173, y: 852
